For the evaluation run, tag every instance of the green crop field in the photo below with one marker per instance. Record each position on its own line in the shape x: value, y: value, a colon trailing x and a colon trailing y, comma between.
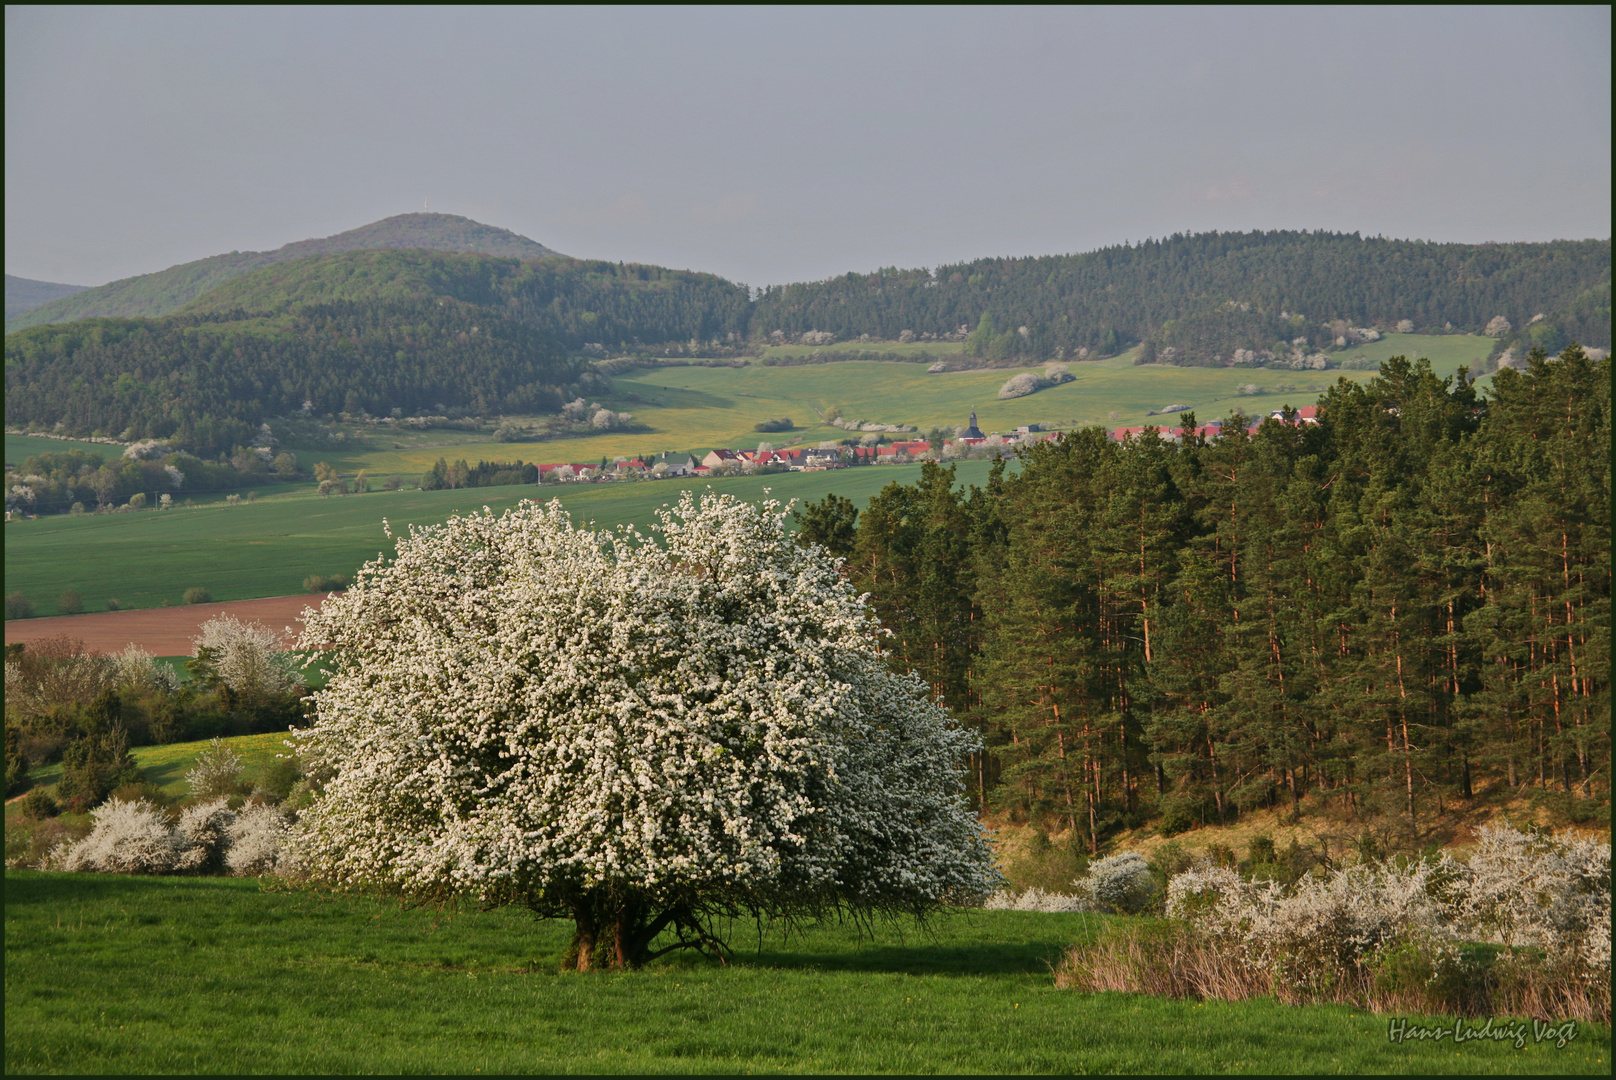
x: 114, y: 974
x: 20, y: 448
x: 699, y: 408
x: 267, y: 547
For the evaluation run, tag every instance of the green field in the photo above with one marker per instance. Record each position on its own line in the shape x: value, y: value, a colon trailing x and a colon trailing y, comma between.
x: 267, y: 548
x: 112, y: 974
x: 20, y: 448
x: 691, y: 408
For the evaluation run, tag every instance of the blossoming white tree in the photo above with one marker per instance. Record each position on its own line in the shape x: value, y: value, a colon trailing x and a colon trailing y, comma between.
x: 639, y: 734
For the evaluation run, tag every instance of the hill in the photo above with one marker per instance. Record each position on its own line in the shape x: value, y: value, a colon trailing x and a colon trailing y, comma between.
x: 168, y: 290
x: 432, y: 332
x: 25, y: 293
x: 1180, y: 291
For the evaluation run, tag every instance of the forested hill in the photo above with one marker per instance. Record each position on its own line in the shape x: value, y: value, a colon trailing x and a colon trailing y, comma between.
x: 580, y: 302
x: 1284, y: 285
x: 25, y: 293
x: 207, y: 381
x: 418, y: 331
x: 169, y: 290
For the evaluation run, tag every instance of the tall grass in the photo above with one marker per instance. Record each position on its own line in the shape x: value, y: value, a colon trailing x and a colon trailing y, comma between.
x: 1169, y: 959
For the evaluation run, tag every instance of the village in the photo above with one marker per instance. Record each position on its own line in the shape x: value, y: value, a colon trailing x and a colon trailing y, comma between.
x: 969, y: 442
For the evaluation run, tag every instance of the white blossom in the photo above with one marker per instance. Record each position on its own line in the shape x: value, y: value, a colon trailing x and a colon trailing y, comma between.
x: 596, y: 724
x: 247, y: 656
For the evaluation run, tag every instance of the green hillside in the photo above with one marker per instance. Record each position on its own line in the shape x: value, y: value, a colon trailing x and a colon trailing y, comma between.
x: 25, y: 293
x: 168, y: 290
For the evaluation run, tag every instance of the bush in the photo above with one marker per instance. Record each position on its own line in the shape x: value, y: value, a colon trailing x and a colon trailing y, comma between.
x: 245, y: 657
x: 279, y: 778
x: 782, y: 423
x: 19, y: 606
x: 1398, y: 930
x: 1036, y: 899
x: 1122, y: 884
x: 137, y: 837
x: 198, y: 595
x: 217, y: 773
x: 113, y: 603
x: 325, y: 583
x: 127, y: 838
x: 70, y: 603
x: 254, y: 839
x: 1021, y: 385
x: 39, y: 805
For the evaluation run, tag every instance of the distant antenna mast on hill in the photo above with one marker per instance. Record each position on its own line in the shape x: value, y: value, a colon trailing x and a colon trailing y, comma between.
x: 425, y: 204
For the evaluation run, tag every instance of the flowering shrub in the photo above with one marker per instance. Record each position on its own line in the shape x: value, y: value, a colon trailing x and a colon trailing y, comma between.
x: 1121, y: 883
x: 138, y: 670
x: 127, y: 838
x: 1552, y: 893
x: 217, y: 772
x: 247, y: 657
x: 136, y: 837
x: 1035, y: 899
x: 254, y: 840
x: 636, y: 735
x: 1398, y: 933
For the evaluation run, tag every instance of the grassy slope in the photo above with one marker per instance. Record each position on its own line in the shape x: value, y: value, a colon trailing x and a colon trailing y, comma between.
x: 121, y: 974
x: 266, y: 548
x: 167, y: 765
x: 700, y: 407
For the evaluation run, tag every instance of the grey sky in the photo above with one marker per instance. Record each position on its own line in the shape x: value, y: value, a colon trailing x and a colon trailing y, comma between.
x: 773, y: 145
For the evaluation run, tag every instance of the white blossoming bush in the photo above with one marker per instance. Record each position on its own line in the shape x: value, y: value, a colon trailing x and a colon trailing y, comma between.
x: 1546, y: 892
x: 636, y: 735
x: 1035, y: 899
x: 138, y: 838
x: 1393, y: 935
x: 247, y: 656
x: 137, y: 669
x: 203, y: 832
x: 254, y: 840
x: 1120, y: 883
x: 217, y: 772
x: 126, y: 838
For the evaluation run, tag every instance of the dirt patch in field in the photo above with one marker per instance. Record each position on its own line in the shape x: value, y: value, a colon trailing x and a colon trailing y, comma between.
x: 162, y: 631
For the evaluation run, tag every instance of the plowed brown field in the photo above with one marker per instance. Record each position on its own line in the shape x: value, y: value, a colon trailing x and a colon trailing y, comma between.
x: 162, y: 631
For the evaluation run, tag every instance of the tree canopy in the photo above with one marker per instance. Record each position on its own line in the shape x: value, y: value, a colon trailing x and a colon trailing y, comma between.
x: 639, y: 734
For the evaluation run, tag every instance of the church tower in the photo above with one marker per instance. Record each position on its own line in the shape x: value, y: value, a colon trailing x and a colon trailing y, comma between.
x: 972, y: 432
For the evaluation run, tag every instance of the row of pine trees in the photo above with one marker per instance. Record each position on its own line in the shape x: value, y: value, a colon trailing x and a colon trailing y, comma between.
x: 1388, y: 611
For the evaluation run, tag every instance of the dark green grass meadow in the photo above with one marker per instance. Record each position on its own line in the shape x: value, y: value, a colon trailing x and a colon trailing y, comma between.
x: 267, y: 548
x: 109, y: 974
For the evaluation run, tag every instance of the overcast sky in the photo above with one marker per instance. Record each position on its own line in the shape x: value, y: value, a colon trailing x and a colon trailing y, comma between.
x: 774, y: 145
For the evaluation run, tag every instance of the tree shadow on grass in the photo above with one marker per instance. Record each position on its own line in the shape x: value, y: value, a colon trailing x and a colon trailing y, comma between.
x: 955, y: 944
x: 1018, y: 958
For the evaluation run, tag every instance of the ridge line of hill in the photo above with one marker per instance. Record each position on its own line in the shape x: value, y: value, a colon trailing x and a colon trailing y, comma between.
x: 165, y: 291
